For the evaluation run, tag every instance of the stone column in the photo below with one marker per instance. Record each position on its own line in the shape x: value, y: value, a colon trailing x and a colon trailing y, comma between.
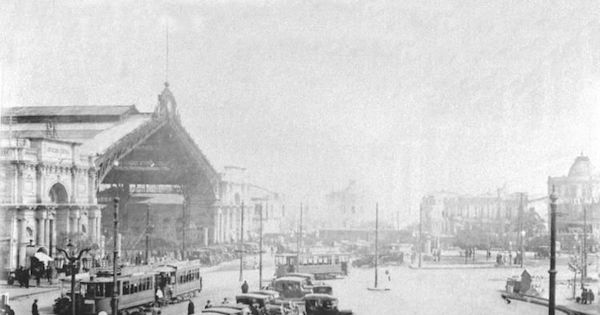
x: 46, y: 232
x: 19, y: 183
x: 205, y: 236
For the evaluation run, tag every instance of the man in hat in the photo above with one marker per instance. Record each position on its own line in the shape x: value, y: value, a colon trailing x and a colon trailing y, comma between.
x: 34, y: 308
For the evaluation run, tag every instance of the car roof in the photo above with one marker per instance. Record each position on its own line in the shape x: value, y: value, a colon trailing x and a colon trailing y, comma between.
x: 300, y: 274
x: 218, y: 310
x: 263, y: 292
x: 291, y: 278
x: 251, y: 295
x: 319, y: 296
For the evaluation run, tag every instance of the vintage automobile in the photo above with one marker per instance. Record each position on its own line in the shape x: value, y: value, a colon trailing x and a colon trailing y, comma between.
x: 323, y: 304
x: 224, y: 311
x: 291, y: 287
x: 322, y: 289
x: 310, y: 279
x: 260, y: 301
x: 272, y: 294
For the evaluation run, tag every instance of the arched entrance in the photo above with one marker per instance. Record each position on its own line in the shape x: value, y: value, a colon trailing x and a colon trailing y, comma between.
x: 58, y: 194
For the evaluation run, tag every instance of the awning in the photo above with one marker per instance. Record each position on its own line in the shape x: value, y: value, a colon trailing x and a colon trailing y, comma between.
x: 43, y: 257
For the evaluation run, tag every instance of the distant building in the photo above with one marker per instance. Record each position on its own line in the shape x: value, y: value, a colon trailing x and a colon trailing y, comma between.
x: 237, y: 193
x: 444, y: 214
x: 578, y: 191
x: 346, y: 208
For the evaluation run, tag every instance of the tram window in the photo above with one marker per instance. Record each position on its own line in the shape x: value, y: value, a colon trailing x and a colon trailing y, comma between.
x: 109, y: 289
x: 125, y: 287
x: 90, y: 292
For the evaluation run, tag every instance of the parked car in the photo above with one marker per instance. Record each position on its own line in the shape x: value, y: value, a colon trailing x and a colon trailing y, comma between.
x: 323, y: 304
x: 322, y: 289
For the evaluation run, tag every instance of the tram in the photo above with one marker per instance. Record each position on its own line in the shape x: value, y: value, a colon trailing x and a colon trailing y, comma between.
x: 322, y: 265
x: 134, y: 290
x: 137, y: 290
x: 179, y: 280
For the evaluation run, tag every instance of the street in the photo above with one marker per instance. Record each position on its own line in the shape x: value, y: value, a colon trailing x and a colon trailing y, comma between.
x: 412, y: 291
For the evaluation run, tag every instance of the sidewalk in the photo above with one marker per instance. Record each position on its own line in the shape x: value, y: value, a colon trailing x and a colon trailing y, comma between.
x: 15, y: 292
x: 431, y: 266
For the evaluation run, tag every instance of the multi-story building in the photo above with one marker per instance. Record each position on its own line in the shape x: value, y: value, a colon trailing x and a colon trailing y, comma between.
x: 239, y: 194
x: 57, y: 162
x: 445, y: 214
x: 346, y: 208
x: 47, y: 195
x: 578, y: 198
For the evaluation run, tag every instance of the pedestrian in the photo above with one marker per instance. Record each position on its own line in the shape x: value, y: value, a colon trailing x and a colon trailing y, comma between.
x: 49, y: 273
x: 26, y: 277
x: 584, y: 296
x: 225, y: 301
x: 34, y: 308
x: 191, y: 308
x: 591, y: 296
x: 208, y: 304
x: 245, y: 287
x: 159, y: 296
x: 389, y: 276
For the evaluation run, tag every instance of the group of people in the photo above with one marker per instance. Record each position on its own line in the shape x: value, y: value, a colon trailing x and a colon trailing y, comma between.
x: 23, y: 275
x: 587, y: 296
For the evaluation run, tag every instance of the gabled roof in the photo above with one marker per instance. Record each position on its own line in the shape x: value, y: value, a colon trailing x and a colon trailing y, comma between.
x: 78, y: 110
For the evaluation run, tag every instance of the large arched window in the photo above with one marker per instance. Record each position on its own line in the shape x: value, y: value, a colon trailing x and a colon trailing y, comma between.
x: 58, y: 194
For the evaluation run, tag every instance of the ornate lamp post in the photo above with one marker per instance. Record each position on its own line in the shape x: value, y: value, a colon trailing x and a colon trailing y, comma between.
x: 73, y: 256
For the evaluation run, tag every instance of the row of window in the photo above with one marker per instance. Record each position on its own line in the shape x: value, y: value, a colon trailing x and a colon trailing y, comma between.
x: 189, y: 275
x: 138, y: 285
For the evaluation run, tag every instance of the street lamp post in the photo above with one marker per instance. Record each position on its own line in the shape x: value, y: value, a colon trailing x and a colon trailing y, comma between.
x: 115, y: 295
x: 523, y: 233
x: 73, y: 258
x: 552, y: 271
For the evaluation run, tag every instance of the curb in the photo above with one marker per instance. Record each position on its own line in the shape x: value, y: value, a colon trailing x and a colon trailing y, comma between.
x: 26, y: 295
x: 543, y: 302
x: 465, y: 267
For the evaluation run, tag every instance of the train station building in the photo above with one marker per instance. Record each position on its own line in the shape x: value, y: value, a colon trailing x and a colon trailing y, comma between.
x: 62, y: 166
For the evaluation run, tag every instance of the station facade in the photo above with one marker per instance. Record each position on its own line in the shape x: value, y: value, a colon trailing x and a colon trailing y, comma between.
x: 62, y: 166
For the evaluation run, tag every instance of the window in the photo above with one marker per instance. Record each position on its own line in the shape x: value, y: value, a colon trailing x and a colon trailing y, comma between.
x: 125, y: 287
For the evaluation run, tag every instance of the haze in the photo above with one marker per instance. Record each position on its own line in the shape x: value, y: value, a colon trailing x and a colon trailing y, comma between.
x: 406, y: 98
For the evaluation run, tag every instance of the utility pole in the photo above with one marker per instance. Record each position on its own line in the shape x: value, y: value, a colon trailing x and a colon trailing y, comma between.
x: 552, y: 271
x: 421, y: 234
x: 521, y: 231
x: 298, y: 240
x: 260, y: 248
x: 183, y: 221
x: 377, y: 242
x: 147, y: 234
x: 242, y: 245
x: 115, y: 295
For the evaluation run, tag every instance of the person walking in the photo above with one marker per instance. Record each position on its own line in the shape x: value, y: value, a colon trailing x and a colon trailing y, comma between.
x: 191, y: 309
x: 208, y: 304
x: 245, y: 287
x: 34, y: 308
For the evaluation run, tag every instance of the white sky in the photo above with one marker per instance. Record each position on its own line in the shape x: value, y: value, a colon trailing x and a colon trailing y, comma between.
x: 405, y: 98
